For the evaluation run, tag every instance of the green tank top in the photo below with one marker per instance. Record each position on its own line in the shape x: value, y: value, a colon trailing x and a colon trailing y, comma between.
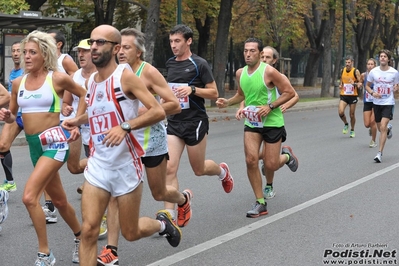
x: 140, y: 69
x: 257, y: 93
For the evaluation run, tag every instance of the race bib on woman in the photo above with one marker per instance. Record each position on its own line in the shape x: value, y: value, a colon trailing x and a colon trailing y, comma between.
x: 53, y: 139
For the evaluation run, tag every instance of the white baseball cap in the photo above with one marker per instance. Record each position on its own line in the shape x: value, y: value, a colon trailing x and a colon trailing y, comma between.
x: 82, y: 44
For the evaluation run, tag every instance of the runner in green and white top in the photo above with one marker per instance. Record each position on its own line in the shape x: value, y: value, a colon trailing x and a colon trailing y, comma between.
x: 257, y: 83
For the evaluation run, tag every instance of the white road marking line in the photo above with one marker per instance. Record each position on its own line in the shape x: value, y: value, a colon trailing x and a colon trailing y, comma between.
x: 184, y: 254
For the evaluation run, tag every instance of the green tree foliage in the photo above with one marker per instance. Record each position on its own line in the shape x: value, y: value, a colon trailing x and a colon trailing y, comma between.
x: 389, y: 24
x: 280, y: 30
x: 288, y: 24
x: 128, y: 15
x: 13, y: 6
x: 76, y: 9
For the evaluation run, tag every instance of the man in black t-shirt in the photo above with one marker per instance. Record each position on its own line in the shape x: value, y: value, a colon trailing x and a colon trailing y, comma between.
x: 191, y: 79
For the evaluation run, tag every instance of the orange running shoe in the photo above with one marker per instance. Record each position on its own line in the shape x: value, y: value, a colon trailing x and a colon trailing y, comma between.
x: 184, y: 212
x: 108, y: 257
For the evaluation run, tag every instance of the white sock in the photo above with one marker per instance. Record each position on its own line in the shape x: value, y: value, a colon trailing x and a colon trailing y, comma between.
x: 163, y: 226
x: 222, y: 173
x: 172, y: 213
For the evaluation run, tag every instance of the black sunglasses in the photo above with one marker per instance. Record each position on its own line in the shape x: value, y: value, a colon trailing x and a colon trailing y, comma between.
x: 100, y: 42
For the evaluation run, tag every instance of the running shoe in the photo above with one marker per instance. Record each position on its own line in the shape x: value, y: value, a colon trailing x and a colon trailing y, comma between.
x: 372, y: 144
x: 8, y: 187
x: 103, y: 227
x: 44, y: 259
x: 345, y: 130
x: 352, y: 134
x: 378, y: 157
x: 268, y: 192
x: 184, y: 212
x: 389, y: 134
x: 51, y: 217
x: 172, y: 231
x: 228, y: 181
x: 108, y: 257
x: 293, y: 160
x: 3, y: 205
x: 75, y: 254
x: 257, y: 210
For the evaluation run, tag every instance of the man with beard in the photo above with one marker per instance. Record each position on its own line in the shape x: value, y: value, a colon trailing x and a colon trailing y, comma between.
x: 152, y: 138
x: 114, y: 167
x: 349, y: 90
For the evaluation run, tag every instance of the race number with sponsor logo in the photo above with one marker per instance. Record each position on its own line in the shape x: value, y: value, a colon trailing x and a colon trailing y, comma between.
x: 183, y: 101
x: 252, y: 117
x: 53, y: 139
x: 349, y: 89
x: 99, y: 124
x: 384, y: 90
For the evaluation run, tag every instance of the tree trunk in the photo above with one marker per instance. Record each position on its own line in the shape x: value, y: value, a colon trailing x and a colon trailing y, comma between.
x: 311, y: 70
x: 220, y: 61
x: 102, y: 15
x: 337, y: 68
x: 151, y: 28
x: 315, y: 28
x: 365, y: 32
x: 204, y: 35
x: 327, y: 63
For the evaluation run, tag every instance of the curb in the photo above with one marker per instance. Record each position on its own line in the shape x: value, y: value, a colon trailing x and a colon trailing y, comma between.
x: 215, y: 114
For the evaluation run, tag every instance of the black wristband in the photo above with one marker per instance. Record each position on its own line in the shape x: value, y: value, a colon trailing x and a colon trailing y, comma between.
x: 193, y: 90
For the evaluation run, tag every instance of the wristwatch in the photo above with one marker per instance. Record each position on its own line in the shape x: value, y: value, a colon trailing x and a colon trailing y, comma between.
x: 271, y: 106
x: 126, y: 126
x: 193, y: 89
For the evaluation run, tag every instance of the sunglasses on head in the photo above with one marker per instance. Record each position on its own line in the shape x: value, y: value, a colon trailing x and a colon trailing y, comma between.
x: 100, y: 42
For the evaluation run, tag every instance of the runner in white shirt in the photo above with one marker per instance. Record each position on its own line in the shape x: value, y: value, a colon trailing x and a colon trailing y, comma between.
x: 114, y: 167
x: 385, y: 79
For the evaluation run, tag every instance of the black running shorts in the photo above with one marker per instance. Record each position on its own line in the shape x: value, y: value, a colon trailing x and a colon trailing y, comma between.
x: 154, y: 161
x: 348, y: 99
x: 191, y: 132
x: 270, y: 134
x: 367, y: 106
x: 381, y: 111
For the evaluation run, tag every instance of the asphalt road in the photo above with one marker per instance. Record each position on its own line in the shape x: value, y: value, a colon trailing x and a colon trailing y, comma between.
x: 339, y: 205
